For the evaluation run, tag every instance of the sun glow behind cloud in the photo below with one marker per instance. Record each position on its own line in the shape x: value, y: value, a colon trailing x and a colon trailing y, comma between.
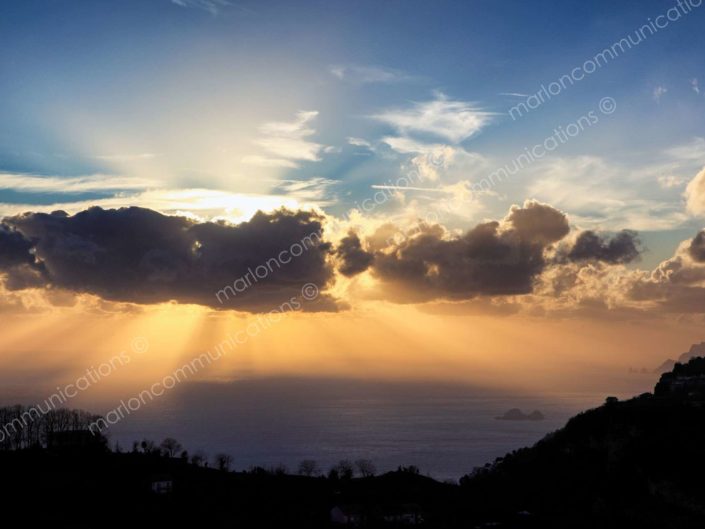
x: 200, y: 204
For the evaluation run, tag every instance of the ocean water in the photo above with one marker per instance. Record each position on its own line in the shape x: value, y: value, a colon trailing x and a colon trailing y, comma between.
x: 445, y: 431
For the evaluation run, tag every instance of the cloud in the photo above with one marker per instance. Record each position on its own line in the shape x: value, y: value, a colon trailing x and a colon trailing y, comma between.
x: 695, y: 194
x: 405, y: 145
x: 360, y: 142
x: 492, y: 259
x: 528, y: 262
x: 537, y: 223
x: 696, y: 249
x: 658, y: 93
x: 529, y: 259
x: 692, y: 151
x: 441, y: 117
x: 286, y: 142
x: 429, y: 159
x: 77, y: 184
x: 17, y: 260
x: 368, y: 74
x: 263, y: 161
x: 15, y: 248
x: 676, y: 285
x: 669, y: 181
x: 622, y: 248
x: 315, y: 189
x: 428, y: 134
x: 590, y: 289
x: 140, y: 256
x: 353, y: 259
x: 695, y: 86
x: 514, y: 94
x: 212, y: 6
x: 605, y: 196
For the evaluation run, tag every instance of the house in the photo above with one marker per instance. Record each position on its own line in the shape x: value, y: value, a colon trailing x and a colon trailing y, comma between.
x: 350, y: 515
x: 360, y: 516
x: 162, y: 485
x: 407, y: 514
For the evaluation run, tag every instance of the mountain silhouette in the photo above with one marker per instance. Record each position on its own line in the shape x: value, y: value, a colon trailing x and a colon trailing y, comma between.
x: 634, y: 463
x: 515, y: 414
x: 697, y: 349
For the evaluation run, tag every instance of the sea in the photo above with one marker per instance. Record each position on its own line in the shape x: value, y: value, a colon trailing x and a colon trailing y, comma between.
x: 444, y: 430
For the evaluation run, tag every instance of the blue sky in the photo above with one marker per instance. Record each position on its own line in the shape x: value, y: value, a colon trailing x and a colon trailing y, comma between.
x: 142, y: 102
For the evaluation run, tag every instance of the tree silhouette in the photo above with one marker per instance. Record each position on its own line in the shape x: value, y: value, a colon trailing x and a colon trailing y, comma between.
x: 223, y: 461
x: 171, y: 446
x: 309, y: 467
x: 199, y: 458
x: 147, y: 446
x: 30, y: 426
x: 280, y: 470
x: 343, y: 470
x: 366, y: 468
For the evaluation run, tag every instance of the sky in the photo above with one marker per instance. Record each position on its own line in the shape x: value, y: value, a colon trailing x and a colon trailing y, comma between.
x: 413, y: 190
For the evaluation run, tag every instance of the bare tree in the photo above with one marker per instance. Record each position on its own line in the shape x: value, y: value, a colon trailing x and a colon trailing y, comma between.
x: 366, y: 468
x: 170, y: 446
x: 344, y: 469
x: 26, y: 426
x: 198, y: 458
x: 279, y: 470
x: 309, y: 467
x: 223, y: 461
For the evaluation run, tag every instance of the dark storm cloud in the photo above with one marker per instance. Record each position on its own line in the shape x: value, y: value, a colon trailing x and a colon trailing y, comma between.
x: 15, y: 248
x: 17, y: 260
x: 139, y: 255
x: 622, y: 248
x: 353, y: 259
x: 491, y: 259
